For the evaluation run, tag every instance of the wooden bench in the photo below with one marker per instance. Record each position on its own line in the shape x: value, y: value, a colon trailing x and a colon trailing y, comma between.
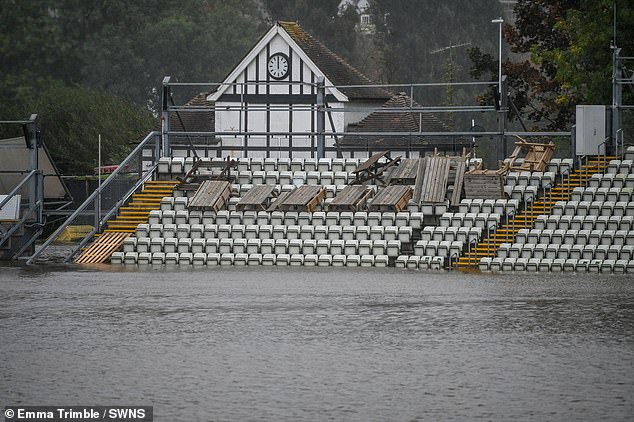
x: 391, y: 198
x: 351, y: 198
x: 304, y: 198
x: 374, y: 170
x: 212, y: 195
x: 258, y: 198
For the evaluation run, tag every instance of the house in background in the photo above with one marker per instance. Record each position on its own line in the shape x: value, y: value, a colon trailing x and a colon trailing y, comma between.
x: 273, y: 90
x: 399, y: 114
x: 362, y: 8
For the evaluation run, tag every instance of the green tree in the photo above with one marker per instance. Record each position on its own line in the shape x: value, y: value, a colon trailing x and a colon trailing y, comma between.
x: 565, y: 57
x: 71, y: 119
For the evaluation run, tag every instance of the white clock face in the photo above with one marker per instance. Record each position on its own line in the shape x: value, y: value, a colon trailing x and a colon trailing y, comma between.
x: 278, y: 66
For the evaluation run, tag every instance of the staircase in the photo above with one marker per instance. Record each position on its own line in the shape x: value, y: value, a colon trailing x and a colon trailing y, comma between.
x: 20, y: 242
x: 124, y: 224
x: 524, y: 220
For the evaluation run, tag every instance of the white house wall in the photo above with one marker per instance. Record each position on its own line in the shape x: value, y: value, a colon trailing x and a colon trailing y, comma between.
x: 355, y: 111
x: 255, y: 74
x: 276, y: 120
x: 255, y: 102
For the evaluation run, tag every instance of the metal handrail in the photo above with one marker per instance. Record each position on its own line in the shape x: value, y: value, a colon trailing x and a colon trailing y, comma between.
x: 19, y: 224
x: 451, y: 265
x: 605, y: 152
x: 620, y: 132
x: 17, y: 188
x: 92, y: 197
x: 112, y: 211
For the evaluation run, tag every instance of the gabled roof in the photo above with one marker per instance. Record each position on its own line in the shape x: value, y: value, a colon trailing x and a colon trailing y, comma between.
x: 336, y: 69
x: 319, y: 59
x: 397, y: 121
x: 194, y: 121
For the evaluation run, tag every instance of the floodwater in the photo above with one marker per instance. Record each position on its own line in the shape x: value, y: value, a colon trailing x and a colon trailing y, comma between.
x: 315, y: 344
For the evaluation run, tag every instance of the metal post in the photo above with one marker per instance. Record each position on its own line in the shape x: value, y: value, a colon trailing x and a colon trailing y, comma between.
x: 573, y: 141
x: 321, y: 117
x: 502, y: 116
x: 98, y: 199
x: 499, y: 21
x: 30, y: 132
x: 165, y: 117
x: 617, y: 92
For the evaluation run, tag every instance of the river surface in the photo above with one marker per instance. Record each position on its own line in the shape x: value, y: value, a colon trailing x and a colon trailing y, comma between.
x: 315, y: 344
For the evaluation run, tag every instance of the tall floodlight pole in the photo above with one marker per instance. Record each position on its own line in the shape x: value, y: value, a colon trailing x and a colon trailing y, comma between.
x: 502, y: 117
x: 499, y: 21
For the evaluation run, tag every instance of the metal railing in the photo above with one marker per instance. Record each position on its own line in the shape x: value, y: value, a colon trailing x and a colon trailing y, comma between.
x: 33, y: 209
x: 19, y: 186
x: 148, y: 175
x: 131, y: 173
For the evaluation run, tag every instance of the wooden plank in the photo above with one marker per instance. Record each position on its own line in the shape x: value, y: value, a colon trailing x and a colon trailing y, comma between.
x: 406, y: 172
x: 370, y: 161
x: 484, y: 185
x: 279, y: 201
x: 351, y: 198
x: 210, y: 196
x: 420, y: 177
x: 435, y: 184
x: 101, y: 250
x: 304, y: 198
x: 256, y: 199
x: 458, y: 183
x: 391, y: 198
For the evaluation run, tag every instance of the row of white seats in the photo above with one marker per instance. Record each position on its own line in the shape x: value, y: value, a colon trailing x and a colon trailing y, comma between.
x: 443, y: 248
x: 611, y: 180
x: 565, y: 251
x: 560, y: 165
x: 415, y: 262
x: 462, y: 234
x: 555, y: 165
x: 620, y: 167
x: 243, y: 259
x: 522, y: 193
x: 318, y: 218
x: 575, y: 237
x: 294, y: 246
x: 294, y: 178
x: 602, y: 194
x: 596, y: 208
x: 483, y: 220
x: 629, y: 153
x: 497, y: 206
x: 181, y: 165
x: 268, y: 231
x: 584, y: 222
x: 526, y: 178
x: 299, y: 164
x: 557, y: 265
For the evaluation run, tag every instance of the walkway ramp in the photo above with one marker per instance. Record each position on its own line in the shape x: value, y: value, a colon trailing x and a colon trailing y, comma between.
x: 130, y: 216
x: 102, y: 249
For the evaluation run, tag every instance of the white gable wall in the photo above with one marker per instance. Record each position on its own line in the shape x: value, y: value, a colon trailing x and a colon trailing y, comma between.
x: 264, y: 105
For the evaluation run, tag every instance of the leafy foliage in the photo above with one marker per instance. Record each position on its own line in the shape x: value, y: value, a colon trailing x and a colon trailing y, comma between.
x: 565, y: 56
x: 71, y: 119
x: 93, y: 66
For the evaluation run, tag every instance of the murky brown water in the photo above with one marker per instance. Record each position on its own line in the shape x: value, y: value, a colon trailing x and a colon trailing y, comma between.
x: 325, y: 344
